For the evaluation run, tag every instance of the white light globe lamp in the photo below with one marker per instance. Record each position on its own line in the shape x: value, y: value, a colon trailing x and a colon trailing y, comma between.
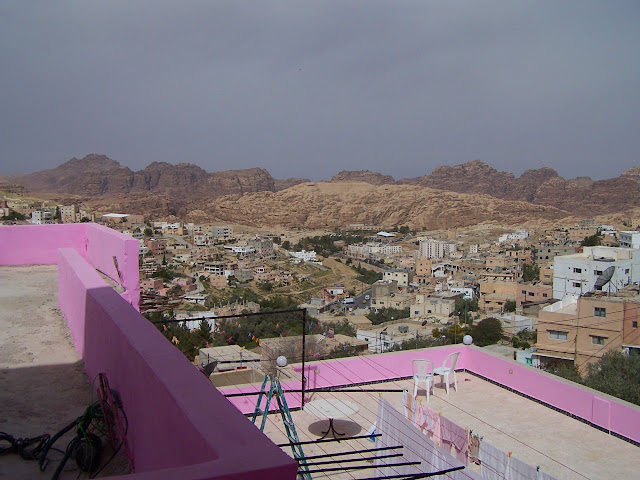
x: 281, y: 361
x: 467, y: 339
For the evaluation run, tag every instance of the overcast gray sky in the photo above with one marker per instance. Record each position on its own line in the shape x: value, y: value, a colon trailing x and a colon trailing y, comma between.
x: 309, y: 88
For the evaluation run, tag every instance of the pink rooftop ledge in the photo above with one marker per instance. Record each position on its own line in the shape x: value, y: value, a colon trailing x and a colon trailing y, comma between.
x: 183, y: 428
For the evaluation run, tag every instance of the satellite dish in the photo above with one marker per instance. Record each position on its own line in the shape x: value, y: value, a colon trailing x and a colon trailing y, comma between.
x: 604, y: 278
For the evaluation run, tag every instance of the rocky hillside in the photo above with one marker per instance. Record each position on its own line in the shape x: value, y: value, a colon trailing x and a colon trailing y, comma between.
x: 581, y: 196
x: 164, y: 189
x: 324, y: 204
x: 363, y: 176
x: 98, y: 175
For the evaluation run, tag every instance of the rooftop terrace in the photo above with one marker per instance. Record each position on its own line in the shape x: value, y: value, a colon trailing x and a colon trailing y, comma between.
x: 181, y: 427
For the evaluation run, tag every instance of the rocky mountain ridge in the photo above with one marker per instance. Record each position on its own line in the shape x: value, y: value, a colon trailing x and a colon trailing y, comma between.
x: 184, y: 188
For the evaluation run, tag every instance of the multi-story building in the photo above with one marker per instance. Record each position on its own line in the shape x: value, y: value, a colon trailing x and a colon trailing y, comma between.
x: 577, y: 274
x: 262, y: 246
x: 544, y: 253
x: 156, y: 247
x: 529, y: 294
x: 629, y: 239
x: 578, y: 233
x: 494, y: 295
x: 403, y: 276
x: 439, y: 304
x: 222, y: 232
x: 581, y: 329
x: 436, y: 249
x: 42, y: 217
x: 373, y: 249
x: 68, y: 213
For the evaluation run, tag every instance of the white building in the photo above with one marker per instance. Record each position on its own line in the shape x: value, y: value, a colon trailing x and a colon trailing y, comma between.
x: 240, y: 249
x: 519, y: 234
x: 436, y: 249
x: 629, y: 239
x: 372, y: 248
x: 42, y: 217
x: 304, y: 256
x: 577, y: 274
x: 201, y: 239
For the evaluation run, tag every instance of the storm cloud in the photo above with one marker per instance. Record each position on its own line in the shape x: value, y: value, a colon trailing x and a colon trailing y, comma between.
x: 306, y: 89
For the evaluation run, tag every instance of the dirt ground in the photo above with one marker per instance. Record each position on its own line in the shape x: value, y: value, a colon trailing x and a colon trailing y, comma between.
x: 43, y: 383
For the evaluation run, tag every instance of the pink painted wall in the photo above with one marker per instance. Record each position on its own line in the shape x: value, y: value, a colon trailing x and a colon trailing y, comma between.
x: 102, y: 245
x: 39, y: 244
x: 180, y: 427
x: 598, y: 408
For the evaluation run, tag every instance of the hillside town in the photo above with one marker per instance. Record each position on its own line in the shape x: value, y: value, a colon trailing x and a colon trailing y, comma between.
x: 564, y: 296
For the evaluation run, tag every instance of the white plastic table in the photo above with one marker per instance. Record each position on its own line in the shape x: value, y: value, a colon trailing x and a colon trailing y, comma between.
x: 331, y: 408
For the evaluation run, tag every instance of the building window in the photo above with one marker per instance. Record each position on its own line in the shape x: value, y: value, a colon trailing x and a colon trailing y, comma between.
x: 524, y: 292
x: 597, y: 340
x: 634, y: 324
x: 531, y: 294
x: 577, y: 284
x: 626, y: 271
x: 557, y: 335
x: 544, y: 295
x: 597, y: 272
x: 599, y: 312
x: 577, y: 270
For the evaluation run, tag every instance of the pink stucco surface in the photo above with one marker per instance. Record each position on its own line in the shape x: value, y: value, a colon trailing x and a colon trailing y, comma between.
x: 179, y: 425
x: 39, y: 244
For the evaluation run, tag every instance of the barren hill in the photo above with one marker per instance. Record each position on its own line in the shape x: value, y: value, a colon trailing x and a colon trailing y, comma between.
x: 324, y: 204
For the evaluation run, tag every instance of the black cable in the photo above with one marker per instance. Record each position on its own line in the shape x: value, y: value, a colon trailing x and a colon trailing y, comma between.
x: 27, y: 448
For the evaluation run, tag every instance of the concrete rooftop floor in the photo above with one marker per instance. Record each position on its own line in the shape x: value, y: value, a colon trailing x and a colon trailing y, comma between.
x: 42, y: 378
x: 561, y: 446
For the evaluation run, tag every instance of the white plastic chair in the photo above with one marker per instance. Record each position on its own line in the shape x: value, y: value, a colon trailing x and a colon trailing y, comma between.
x: 422, y: 372
x: 447, y: 367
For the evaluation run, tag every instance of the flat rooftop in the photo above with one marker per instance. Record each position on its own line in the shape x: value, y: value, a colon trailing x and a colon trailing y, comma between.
x: 44, y: 386
x: 536, y: 434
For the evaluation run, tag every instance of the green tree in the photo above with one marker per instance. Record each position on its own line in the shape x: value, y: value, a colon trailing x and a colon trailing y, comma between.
x: 530, y: 273
x: 13, y: 215
x: 57, y: 215
x: 616, y: 374
x: 487, y: 332
x: 566, y: 370
x: 342, y: 327
x: 388, y: 314
x: 510, y: 306
x: 591, y: 241
x: 286, y: 245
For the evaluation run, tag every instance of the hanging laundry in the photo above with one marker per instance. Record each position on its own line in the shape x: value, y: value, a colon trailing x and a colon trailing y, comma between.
x: 474, y: 448
x: 455, y: 436
x: 518, y: 470
x: 494, y: 462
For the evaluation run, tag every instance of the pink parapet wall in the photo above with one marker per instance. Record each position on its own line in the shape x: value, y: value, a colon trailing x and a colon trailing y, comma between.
x: 180, y: 426
x: 39, y: 245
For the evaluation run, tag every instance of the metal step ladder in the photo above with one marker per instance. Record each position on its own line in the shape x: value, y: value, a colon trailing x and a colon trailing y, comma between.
x: 275, y: 389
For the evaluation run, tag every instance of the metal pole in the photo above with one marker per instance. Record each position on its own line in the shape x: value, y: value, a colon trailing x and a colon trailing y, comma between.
x: 304, y: 329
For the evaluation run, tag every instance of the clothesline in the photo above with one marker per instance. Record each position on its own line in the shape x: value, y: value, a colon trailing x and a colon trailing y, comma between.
x: 495, y: 464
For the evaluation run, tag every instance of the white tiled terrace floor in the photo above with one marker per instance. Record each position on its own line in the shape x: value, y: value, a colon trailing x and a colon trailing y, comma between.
x: 561, y: 446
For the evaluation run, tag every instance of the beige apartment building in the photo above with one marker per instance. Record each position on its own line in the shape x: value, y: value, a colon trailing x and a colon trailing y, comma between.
x: 581, y: 329
x: 494, y: 295
x: 535, y: 293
